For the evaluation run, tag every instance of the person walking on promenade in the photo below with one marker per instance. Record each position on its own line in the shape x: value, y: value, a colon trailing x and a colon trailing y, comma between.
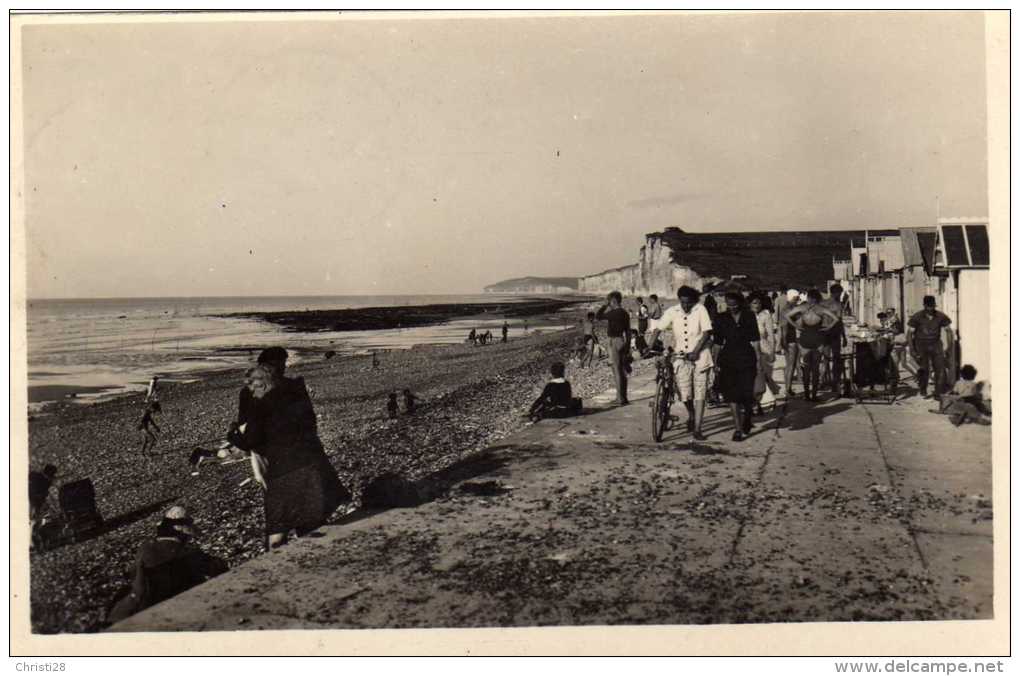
x: 836, y: 337
x: 692, y: 337
x: 642, y: 327
x: 766, y: 351
x: 812, y: 321
x: 736, y: 331
x: 788, y: 339
x: 618, y: 331
x: 924, y: 341
x: 301, y: 487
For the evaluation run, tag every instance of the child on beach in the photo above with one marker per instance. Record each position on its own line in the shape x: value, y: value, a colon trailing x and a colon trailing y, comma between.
x: 589, y: 338
x: 147, y: 422
x: 965, y: 402
x: 391, y: 405
x: 556, y: 400
x: 409, y: 402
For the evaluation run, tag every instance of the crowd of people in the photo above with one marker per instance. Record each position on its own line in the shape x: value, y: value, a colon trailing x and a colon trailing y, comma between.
x: 725, y: 342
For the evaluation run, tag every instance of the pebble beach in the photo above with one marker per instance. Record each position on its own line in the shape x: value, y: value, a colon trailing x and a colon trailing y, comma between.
x: 471, y: 396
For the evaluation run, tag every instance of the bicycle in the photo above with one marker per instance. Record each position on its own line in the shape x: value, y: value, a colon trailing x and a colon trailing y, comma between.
x: 665, y: 393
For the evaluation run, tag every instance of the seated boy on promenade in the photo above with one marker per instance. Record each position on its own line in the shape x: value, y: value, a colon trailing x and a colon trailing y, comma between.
x: 964, y: 402
x: 556, y: 400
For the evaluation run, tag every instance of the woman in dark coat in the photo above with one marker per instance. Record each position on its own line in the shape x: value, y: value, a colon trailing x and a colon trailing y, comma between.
x: 302, y: 489
x: 736, y: 330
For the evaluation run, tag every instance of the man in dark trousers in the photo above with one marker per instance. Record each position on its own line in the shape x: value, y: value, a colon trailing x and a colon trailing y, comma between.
x: 618, y: 333
x: 924, y: 340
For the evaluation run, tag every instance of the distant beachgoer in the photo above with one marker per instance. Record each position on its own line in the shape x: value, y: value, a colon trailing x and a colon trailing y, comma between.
x: 146, y: 424
x: 473, y: 337
x: 590, y: 339
x: 39, y: 484
x: 375, y: 360
x: 391, y: 405
x: 812, y: 321
x: 736, y: 331
x: 506, y: 330
x: 642, y: 316
x: 152, y: 393
x: 766, y: 352
x: 409, y: 402
x: 166, y: 566
x: 692, y: 336
x: 654, y: 307
x: 618, y: 331
x: 288, y: 460
x: 925, y: 332
x: 556, y: 400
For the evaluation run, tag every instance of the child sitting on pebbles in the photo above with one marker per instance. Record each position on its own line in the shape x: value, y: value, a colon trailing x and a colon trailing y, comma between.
x: 556, y: 400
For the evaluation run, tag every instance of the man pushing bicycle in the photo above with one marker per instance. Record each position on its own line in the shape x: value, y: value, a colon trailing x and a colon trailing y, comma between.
x: 692, y: 334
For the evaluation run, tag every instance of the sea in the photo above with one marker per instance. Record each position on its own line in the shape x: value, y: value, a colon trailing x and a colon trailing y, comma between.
x: 92, y: 349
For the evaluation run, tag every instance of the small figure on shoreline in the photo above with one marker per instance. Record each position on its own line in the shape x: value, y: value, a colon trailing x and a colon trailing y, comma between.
x: 391, y: 405
x: 589, y: 338
x: 152, y: 393
x: 146, y: 423
x: 409, y: 402
x: 556, y: 399
x: 506, y: 330
x: 473, y: 337
x: 375, y: 360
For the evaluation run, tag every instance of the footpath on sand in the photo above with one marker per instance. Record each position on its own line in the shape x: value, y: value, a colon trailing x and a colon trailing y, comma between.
x: 830, y: 511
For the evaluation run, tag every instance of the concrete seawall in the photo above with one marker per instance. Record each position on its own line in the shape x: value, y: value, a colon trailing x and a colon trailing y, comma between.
x: 831, y: 511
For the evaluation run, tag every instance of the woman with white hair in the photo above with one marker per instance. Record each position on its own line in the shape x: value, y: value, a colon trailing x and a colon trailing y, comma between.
x: 301, y: 487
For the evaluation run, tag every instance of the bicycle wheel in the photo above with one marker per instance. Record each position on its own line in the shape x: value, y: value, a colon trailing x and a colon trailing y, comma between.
x: 660, y: 409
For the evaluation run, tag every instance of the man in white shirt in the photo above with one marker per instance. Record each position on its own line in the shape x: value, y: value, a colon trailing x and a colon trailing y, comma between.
x: 692, y: 334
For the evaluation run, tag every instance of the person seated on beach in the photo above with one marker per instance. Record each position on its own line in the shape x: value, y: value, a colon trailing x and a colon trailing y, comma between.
x: 391, y: 405
x: 556, y: 400
x: 166, y: 566
x: 39, y: 484
x: 146, y: 424
x: 199, y: 455
x: 409, y: 402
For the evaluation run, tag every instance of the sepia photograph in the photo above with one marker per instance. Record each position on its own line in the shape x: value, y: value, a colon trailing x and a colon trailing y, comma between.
x: 434, y: 320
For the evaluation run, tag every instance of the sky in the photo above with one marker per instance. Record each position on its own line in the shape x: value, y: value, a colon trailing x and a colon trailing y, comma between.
x: 439, y: 155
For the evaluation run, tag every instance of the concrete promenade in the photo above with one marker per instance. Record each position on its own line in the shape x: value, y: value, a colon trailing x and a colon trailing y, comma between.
x: 829, y: 511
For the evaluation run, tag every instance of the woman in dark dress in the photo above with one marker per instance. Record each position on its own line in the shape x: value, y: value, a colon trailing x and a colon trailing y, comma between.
x: 736, y: 331
x: 301, y: 486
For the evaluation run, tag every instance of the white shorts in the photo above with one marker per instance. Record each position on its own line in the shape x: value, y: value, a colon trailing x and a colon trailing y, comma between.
x: 690, y: 382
